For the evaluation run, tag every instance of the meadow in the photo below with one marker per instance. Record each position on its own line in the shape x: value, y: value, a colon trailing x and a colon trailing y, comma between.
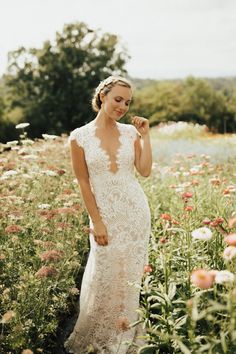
x: 188, y: 294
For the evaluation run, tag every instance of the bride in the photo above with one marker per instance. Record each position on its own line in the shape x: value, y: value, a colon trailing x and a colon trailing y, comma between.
x: 104, y: 153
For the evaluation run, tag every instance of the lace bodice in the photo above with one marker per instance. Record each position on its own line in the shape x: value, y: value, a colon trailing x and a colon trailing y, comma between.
x: 97, y: 159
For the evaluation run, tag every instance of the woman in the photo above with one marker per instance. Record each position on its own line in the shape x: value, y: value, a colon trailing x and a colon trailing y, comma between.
x: 104, y: 153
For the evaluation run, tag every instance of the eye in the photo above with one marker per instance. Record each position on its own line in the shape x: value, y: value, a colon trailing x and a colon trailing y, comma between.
x: 117, y: 99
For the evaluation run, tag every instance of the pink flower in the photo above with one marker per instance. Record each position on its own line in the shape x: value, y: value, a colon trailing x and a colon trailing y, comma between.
x: 52, y: 255
x: 229, y: 253
x: 187, y: 195
x: 202, y: 278
x: 231, y: 239
x: 13, y: 229
x: 45, y: 272
x: 206, y: 221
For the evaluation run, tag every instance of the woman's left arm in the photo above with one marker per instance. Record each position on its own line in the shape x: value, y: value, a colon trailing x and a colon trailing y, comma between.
x: 143, y: 154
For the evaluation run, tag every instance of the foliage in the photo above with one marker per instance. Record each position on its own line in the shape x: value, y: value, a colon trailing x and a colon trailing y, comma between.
x: 53, y: 85
x: 41, y: 211
x: 192, y: 100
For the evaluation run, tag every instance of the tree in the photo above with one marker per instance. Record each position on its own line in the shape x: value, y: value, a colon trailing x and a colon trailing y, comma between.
x: 53, y: 86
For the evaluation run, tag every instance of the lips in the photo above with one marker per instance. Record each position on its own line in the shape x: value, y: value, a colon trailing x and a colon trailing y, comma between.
x: 118, y: 112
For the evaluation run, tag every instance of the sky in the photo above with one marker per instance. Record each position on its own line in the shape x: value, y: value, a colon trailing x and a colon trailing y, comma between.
x: 166, y: 39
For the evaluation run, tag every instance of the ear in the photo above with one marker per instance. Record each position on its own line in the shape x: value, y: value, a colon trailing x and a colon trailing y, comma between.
x: 102, y: 96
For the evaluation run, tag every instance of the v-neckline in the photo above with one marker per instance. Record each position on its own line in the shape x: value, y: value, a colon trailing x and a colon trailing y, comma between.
x: 104, y: 151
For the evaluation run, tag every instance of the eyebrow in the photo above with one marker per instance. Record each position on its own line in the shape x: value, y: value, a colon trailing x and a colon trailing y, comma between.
x: 123, y: 98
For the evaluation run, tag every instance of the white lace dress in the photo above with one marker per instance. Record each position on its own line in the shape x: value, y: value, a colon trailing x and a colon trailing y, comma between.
x: 107, y: 299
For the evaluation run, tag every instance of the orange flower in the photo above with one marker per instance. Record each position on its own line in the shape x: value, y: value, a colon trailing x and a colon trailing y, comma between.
x: 163, y: 240
x: 165, y: 216
x: 219, y: 220
x: 215, y: 181
x: 67, y: 191
x: 216, y: 222
x: 189, y: 208
x: 148, y: 268
x: 11, y: 229
x: 226, y: 191
x: 65, y: 210
x: 45, y: 272
x: 60, y: 172
x: 202, y: 278
x: 195, y: 182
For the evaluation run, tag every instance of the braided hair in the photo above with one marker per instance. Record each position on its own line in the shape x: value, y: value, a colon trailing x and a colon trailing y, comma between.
x: 105, y: 86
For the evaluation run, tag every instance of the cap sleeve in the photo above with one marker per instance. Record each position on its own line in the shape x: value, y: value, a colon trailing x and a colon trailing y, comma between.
x: 134, y: 132
x: 76, y: 134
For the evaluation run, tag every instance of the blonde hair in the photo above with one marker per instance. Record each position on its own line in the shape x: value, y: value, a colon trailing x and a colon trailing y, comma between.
x: 105, y: 86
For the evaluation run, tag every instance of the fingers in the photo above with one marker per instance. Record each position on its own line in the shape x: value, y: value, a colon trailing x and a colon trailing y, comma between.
x: 138, y: 121
x: 101, y: 240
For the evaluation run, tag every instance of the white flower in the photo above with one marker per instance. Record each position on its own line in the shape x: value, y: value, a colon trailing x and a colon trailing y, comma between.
x: 26, y: 175
x: 26, y: 157
x: 50, y: 173
x: 12, y: 142
x: 229, y: 253
x: 44, y: 206
x: 22, y: 125
x: 27, y: 142
x: 9, y: 173
x: 49, y: 137
x: 203, y: 233
x: 224, y: 276
x: 176, y: 174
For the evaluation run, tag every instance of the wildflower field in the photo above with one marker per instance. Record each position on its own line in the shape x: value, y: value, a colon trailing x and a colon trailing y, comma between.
x: 188, y: 295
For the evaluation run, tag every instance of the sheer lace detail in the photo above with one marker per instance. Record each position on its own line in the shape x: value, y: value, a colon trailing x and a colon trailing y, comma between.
x: 109, y: 294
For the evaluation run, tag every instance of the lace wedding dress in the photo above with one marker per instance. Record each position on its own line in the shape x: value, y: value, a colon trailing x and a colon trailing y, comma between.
x: 108, y: 300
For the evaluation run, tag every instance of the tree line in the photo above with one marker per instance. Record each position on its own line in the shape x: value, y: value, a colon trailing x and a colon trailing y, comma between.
x: 51, y: 87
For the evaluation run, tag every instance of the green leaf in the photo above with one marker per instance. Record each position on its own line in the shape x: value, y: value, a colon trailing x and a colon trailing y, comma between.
x: 180, y: 321
x: 171, y: 290
x: 183, y: 348
x: 148, y: 349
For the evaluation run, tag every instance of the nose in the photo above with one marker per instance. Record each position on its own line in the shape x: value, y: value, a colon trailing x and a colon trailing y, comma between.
x: 123, y: 106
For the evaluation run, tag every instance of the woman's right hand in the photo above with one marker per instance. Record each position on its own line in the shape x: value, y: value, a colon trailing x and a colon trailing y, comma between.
x: 100, y: 233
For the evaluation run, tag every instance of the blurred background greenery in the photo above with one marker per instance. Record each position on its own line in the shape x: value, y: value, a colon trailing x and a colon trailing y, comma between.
x: 51, y: 88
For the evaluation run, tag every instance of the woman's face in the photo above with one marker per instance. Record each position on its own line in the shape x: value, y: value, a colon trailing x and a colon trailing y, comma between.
x: 116, y: 102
